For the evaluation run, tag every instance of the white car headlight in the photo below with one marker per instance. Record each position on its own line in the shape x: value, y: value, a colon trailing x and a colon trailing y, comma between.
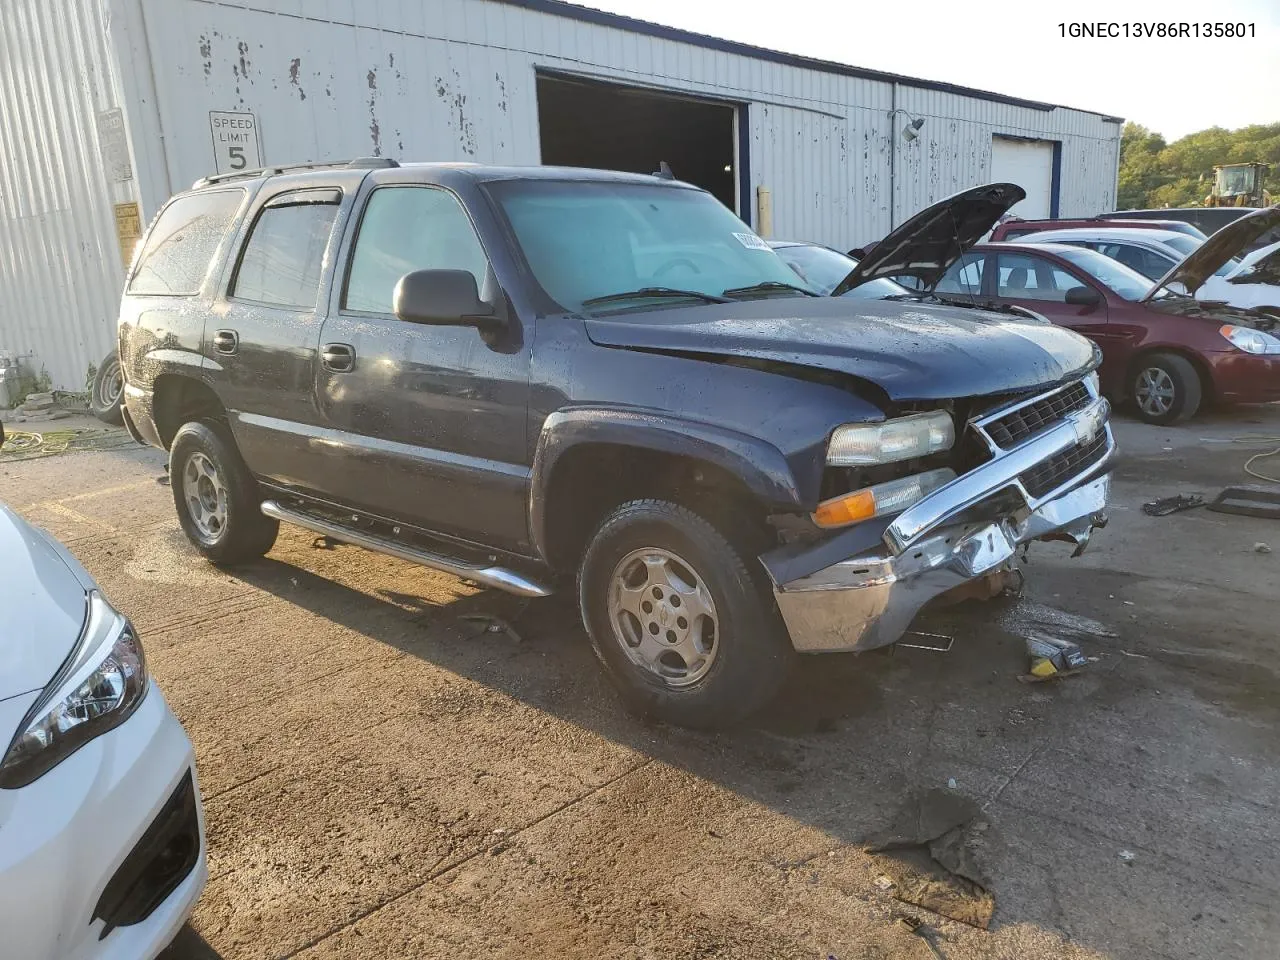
x: 97, y: 689
x: 905, y: 438
x: 1250, y: 340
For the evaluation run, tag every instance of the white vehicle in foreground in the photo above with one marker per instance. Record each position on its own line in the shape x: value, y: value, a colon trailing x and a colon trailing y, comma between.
x: 102, y: 852
x: 1253, y: 285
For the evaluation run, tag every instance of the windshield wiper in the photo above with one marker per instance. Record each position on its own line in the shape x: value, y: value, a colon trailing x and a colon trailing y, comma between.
x: 768, y: 286
x: 655, y: 292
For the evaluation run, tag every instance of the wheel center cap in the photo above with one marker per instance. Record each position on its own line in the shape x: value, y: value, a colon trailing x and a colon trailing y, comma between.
x: 664, y: 615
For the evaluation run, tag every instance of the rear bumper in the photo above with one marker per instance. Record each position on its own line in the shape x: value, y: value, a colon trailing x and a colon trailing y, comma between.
x: 868, y: 601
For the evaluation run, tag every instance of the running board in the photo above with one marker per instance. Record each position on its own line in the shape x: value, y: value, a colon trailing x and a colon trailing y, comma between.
x: 499, y: 577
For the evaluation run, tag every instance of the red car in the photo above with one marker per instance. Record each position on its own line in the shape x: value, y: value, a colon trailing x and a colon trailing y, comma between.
x: 1160, y: 347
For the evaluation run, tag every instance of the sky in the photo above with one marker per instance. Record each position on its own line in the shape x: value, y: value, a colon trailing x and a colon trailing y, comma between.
x: 1173, y: 86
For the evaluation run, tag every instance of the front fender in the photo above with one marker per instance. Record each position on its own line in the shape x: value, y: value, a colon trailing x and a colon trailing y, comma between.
x: 760, y: 465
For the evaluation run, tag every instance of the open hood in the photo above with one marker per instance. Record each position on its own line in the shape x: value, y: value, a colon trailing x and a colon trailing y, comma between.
x: 930, y: 242
x: 1230, y: 241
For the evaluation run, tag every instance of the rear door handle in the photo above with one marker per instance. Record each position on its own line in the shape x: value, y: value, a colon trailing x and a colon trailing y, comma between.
x: 338, y: 357
x: 226, y: 341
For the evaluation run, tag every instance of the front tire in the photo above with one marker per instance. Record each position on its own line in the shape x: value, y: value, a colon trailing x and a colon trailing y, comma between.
x: 683, y: 631
x: 216, y: 497
x: 1165, y: 388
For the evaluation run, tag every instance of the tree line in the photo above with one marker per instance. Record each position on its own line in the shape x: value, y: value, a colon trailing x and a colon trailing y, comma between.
x: 1154, y: 173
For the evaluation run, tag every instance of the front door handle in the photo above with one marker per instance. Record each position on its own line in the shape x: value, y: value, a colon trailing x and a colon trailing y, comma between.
x: 338, y: 357
x: 226, y: 341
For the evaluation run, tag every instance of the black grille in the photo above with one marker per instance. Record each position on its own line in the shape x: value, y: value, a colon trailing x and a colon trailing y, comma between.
x: 1025, y: 422
x: 161, y: 859
x: 1048, y: 475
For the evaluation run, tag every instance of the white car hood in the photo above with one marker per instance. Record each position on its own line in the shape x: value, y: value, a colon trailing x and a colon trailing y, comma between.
x: 43, y: 601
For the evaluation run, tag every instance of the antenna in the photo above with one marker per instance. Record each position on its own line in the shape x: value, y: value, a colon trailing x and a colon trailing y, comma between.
x: 664, y: 171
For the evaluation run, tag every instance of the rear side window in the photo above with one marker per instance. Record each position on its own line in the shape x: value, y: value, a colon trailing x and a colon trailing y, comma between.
x: 284, y: 254
x: 182, y: 242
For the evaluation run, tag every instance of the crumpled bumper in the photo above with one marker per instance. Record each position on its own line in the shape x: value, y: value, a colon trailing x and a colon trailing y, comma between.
x: 869, y: 601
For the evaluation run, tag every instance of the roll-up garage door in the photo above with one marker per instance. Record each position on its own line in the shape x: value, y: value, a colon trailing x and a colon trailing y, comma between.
x: 1029, y: 164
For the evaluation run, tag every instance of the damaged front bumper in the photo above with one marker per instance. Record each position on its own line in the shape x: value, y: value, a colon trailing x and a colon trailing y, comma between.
x: 868, y: 600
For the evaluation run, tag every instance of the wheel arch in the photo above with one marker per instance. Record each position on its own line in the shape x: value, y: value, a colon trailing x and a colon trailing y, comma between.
x: 1197, y: 361
x: 589, y: 461
x: 178, y: 399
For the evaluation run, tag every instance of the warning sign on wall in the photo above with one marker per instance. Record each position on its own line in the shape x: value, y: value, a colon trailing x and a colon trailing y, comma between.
x: 128, y: 230
x: 235, y: 141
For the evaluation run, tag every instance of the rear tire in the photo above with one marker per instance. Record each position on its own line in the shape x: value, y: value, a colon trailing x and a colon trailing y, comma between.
x: 1165, y: 388
x: 217, y: 499
x: 682, y: 629
x: 108, y: 391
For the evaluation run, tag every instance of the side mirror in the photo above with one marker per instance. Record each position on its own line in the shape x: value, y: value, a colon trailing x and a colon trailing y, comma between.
x: 1083, y: 296
x: 446, y: 298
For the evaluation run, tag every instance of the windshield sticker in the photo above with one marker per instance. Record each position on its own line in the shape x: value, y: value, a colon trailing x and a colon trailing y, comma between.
x: 751, y: 241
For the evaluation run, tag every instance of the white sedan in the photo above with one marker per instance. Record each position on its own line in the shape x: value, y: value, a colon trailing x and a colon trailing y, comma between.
x: 102, y: 851
x: 1254, y: 284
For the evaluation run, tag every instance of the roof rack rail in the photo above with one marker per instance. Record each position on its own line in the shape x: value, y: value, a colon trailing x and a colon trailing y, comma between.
x: 359, y: 163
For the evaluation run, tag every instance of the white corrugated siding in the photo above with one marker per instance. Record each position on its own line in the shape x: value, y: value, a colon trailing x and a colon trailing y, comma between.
x: 60, y: 266
x: 455, y: 80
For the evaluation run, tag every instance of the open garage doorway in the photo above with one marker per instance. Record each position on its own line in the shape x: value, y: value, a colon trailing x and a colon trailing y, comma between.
x: 586, y: 123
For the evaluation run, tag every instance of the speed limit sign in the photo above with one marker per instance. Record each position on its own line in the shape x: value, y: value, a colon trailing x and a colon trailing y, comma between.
x: 235, y: 141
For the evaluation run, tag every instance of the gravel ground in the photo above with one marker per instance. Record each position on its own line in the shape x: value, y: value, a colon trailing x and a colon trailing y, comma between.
x: 381, y: 781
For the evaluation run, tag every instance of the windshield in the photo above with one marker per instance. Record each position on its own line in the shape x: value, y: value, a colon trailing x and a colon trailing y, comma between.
x: 1125, y: 282
x: 1235, y: 180
x: 823, y: 268
x: 585, y: 240
x: 1182, y: 243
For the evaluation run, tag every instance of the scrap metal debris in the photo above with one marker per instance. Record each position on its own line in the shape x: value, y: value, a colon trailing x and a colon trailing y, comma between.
x: 1167, y: 505
x: 491, y: 624
x: 933, y: 854
x: 1052, y: 657
x: 1261, y: 547
x: 1249, y: 500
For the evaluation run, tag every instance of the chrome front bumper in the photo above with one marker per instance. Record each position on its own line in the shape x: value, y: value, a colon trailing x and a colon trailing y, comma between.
x: 869, y: 600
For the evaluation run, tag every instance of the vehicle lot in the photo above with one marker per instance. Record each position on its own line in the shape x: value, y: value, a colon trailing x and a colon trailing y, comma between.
x: 382, y: 781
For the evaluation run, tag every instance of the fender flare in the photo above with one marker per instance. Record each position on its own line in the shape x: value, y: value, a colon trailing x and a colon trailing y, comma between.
x: 760, y: 465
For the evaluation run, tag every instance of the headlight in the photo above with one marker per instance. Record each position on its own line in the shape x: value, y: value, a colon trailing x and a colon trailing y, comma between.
x: 884, y: 498
x: 868, y: 444
x: 1249, y: 340
x: 97, y: 689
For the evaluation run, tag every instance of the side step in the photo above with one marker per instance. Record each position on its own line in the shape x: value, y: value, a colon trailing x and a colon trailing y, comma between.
x: 499, y: 577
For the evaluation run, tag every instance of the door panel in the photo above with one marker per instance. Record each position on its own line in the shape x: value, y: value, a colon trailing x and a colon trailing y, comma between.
x: 428, y: 422
x: 1040, y: 284
x: 262, y: 338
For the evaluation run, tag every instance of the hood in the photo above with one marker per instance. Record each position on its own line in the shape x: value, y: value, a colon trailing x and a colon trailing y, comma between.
x: 42, y: 602
x: 912, y: 351
x: 931, y: 241
x: 1230, y: 241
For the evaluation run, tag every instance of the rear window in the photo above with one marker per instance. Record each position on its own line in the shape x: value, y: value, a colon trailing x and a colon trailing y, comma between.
x: 180, y: 247
x: 284, y: 254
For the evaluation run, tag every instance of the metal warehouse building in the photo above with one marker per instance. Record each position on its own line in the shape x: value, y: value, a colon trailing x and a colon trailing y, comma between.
x: 109, y: 106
